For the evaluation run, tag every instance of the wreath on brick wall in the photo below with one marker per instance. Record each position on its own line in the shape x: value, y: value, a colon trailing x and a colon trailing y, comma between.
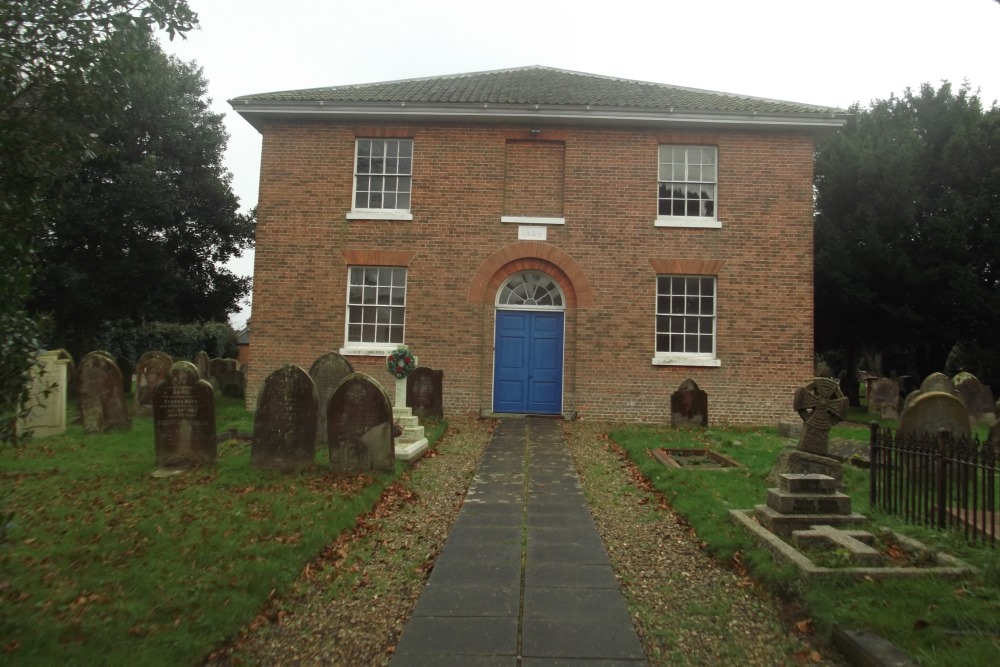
x: 400, y: 362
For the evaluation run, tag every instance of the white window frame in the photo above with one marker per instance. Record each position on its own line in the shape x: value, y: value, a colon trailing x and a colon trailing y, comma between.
x: 693, y: 172
x: 685, y: 308
x: 382, y: 212
x: 375, y: 299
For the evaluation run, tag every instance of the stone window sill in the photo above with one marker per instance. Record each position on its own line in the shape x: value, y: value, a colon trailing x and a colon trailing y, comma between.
x: 692, y: 223
x: 686, y: 360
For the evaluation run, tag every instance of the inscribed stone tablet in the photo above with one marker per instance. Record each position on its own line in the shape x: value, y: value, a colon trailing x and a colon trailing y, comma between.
x: 930, y: 412
x: 102, y: 402
x: 424, y: 392
x: 151, y: 369
x: 184, y: 418
x: 284, y: 428
x: 327, y: 372
x: 360, y: 411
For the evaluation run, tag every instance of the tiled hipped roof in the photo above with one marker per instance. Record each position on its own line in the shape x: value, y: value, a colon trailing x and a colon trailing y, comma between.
x: 542, y: 86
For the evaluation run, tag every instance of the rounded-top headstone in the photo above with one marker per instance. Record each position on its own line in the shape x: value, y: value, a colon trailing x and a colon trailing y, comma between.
x: 938, y: 382
x: 327, y: 372
x: 150, y: 370
x: 359, y: 426
x: 284, y: 427
x: 934, y: 411
x: 101, y: 399
x: 184, y: 417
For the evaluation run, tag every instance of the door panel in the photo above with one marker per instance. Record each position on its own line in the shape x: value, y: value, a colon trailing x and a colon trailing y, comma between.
x: 529, y: 362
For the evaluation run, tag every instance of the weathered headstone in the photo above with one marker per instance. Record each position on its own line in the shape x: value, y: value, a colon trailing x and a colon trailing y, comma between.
x: 70, y: 371
x: 425, y: 392
x: 327, y: 372
x: 47, y: 397
x: 688, y: 406
x: 284, y: 427
x: 201, y: 363
x: 938, y: 382
x: 184, y: 418
x: 151, y: 369
x: 850, y: 387
x: 102, y: 402
x: 978, y: 398
x: 820, y: 405
x: 933, y: 411
x: 359, y: 423
x: 230, y: 377
x: 883, y: 398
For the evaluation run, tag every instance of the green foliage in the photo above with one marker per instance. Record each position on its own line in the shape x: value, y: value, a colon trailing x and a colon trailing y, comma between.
x: 146, y: 224
x: 181, y: 341
x: 907, y: 229
x: 46, y: 48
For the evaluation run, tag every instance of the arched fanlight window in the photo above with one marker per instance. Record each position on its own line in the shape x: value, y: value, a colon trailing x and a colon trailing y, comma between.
x: 530, y: 289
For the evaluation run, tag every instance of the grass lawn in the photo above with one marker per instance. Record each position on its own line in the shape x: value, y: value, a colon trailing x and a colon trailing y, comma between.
x: 106, y: 564
x: 938, y: 622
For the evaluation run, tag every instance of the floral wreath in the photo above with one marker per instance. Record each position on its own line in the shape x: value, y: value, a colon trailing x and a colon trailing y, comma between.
x: 400, y: 362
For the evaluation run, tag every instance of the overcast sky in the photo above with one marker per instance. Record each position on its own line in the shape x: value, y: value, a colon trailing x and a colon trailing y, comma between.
x: 827, y: 53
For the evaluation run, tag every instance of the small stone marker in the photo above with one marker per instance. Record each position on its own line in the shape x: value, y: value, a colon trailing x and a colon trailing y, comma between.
x: 151, y: 369
x: 102, y: 402
x: 229, y: 375
x: 688, y: 406
x: 327, y: 372
x: 284, y: 427
x: 883, y: 398
x: 930, y: 412
x: 184, y: 418
x: 47, y: 393
x: 937, y: 382
x: 359, y: 423
x: 424, y: 392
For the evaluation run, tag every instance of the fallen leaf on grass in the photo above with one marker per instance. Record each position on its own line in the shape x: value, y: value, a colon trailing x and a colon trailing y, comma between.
x: 804, y: 627
x: 920, y: 624
x: 10, y: 647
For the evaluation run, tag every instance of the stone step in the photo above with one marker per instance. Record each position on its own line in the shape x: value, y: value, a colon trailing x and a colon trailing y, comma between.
x: 808, y: 503
x: 785, y: 524
x: 807, y: 483
x: 410, y: 451
x: 401, y: 412
x: 407, y: 422
x: 411, y: 434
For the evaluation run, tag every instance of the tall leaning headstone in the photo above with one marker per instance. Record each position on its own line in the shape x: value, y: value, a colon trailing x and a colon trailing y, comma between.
x: 184, y: 418
x: 327, y: 372
x: 101, y: 399
x: 151, y: 369
x: 359, y: 426
x: 284, y: 427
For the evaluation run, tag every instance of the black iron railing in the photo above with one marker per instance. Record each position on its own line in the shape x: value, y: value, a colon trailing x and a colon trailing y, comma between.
x: 936, y: 480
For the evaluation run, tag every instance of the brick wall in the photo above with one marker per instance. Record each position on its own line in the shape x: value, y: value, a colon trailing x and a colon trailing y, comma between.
x: 606, y: 257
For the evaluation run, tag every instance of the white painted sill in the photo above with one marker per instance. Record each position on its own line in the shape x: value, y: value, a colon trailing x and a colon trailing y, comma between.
x: 379, y: 215
x: 373, y: 351
x: 685, y: 360
x: 693, y: 223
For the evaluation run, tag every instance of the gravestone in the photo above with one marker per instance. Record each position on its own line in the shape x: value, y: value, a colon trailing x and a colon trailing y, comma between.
x: 184, y: 418
x: 359, y: 423
x: 327, y: 372
x: 230, y: 377
x: 850, y: 387
x: 101, y: 399
x: 883, y: 398
x: 820, y: 404
x: 284, y: 427
x: 978, y: 398
x: 201, y: 363
x: 933, y: 411
x: 425, y: 391
x: 938, y: 382
x: 688, y: 406
x: 70, y: 371
x: 125, y: 366
x: 151, y: 369
x: 47, y: 396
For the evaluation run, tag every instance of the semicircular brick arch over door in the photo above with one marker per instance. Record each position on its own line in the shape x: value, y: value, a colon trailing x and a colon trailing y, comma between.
x: 529, y: 336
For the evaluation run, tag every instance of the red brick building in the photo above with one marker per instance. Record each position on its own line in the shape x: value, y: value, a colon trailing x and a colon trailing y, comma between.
x: 556, y: 242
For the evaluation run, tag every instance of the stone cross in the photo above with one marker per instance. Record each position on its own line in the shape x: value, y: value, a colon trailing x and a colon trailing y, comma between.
x: 821, y: 405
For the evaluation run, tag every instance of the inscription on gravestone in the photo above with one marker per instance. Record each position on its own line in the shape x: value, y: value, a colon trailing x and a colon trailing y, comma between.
x: 883, y: 398
x: 359, y: 423
x: 284, y: 428
x: 184, y: 418
x: 327, y: 372
x: 102, y: 401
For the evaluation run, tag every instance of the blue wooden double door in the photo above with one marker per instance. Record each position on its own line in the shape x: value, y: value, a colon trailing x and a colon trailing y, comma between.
x: 528, y: 368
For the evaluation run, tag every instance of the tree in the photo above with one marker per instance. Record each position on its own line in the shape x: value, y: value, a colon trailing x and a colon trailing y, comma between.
x: 908, y: 229
x: 44, y: 49
x: 146, y: 224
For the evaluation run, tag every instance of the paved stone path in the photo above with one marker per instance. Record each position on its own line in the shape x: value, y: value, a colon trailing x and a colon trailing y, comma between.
x: 523, y: 578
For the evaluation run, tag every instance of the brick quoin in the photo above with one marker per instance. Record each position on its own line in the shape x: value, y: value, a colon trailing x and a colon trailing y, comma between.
x: 605, y: 257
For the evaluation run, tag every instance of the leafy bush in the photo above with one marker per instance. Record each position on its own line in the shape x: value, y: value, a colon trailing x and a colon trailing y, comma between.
x: 181, y: 341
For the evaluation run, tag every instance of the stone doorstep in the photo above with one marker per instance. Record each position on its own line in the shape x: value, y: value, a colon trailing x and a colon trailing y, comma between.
x: 411, y: 434
x: 856, y: 542
x: 784, y: 524
x: 808, y: 503
x: 807, y: 483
